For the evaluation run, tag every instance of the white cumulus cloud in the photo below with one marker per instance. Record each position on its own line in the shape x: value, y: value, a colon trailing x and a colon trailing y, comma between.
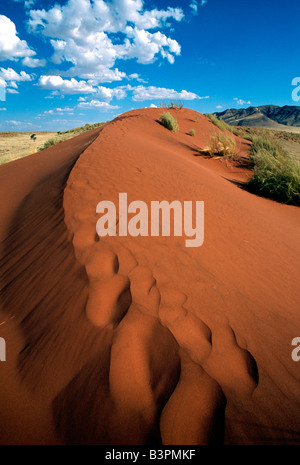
x: 97, y: 104
x: 33, y: 62
x: 11, y: 46
x: 142, y: 93
x: 242, y: 102
x: 11, y: 78
x: 59, y: 111
x: 91, y: 35
x: 66, y: 86
x: 107, y: 93
x: 10, y: 74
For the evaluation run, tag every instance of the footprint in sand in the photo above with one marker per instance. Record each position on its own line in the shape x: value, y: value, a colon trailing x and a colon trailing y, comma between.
x: 109, y: 291
x: 146, y: 375
x: 144, y: 370
x: 142, y: 366
x: 83, y: 242
x: 216, y: 351
x: 191, y: 333
x: 144, y: 290
x: 194, y: 414
x: 213, y: 368
x: 109, y: 286
x: 231, y: 366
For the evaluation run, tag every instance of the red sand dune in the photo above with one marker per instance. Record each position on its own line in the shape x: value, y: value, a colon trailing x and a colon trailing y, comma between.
x: 140, y: 340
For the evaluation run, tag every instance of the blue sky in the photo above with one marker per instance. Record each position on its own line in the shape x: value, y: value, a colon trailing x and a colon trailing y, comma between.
x: 66, y: 63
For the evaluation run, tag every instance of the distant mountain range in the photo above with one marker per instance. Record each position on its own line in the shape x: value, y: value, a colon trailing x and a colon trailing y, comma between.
x: 285, y: 118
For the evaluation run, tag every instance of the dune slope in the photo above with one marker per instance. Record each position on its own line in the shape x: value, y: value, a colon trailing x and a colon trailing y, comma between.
x: 141, y: 340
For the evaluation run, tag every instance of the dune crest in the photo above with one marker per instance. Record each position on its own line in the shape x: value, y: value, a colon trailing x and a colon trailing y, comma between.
x: 140, y: 340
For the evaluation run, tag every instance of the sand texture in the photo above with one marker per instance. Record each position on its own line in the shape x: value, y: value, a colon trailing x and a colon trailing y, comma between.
x: 141, y: 340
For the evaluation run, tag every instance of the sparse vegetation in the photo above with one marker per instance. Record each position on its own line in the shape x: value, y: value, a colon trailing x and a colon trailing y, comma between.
x: 247, y: 132
x: 49, y: 143
x: 14, y: 145
x: 276, y: 174
x: 222, y: 145
x: 177, y: 105
x: 33, y: 139
x: 169, y: 122
x: 81, y: 129
x: 192, y: 132
x: 65, y: 135
x: 221, y: 124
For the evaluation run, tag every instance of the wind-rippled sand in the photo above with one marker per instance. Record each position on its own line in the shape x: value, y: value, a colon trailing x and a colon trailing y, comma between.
x: 140, y: 340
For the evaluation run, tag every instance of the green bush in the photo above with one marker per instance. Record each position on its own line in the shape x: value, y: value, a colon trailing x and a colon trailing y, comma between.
x: 192, y: 132
x: 169, y: 122
x: 49, y: 143
x: 221, y: 124
x: 276, y: 174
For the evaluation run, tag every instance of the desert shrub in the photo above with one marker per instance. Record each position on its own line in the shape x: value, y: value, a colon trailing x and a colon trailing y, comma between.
x: 163, y: 104
x: 176, y: 105
x: 48, y: 144
x: 221, y: 124
x: 245, y: 136
x: 276, y: 174
x: 263, y: 142
x: 222, y: 145
x: 81, y: 129
x: 169, y: 122
x: 192, y: 132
